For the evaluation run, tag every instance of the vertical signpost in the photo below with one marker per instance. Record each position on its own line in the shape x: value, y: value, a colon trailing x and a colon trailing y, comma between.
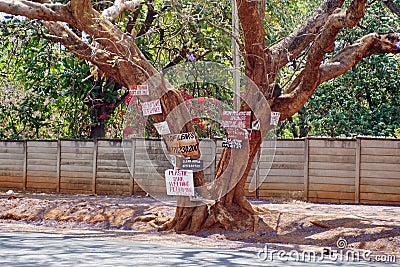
x: 235, y: 57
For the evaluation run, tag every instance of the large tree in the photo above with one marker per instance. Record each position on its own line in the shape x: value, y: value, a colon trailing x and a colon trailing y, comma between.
x: 117, y: 55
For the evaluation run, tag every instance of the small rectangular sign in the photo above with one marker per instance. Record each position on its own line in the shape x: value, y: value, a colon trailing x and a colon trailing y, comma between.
x: 139, y: 89
x: 237, y: 133
x: 151, y: 107
x: 234, y: 119
x: 232, y: 143
x: 162, y: 128
x: 183, y: 144
x: 190, y: 164
x: 275, y: 118
x: 179, y: 182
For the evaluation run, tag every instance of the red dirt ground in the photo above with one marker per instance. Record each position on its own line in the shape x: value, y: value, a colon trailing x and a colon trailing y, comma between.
x: 288, y: 225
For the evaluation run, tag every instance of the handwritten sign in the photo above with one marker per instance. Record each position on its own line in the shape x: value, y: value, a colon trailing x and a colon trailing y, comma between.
x: 179, y: 182
x: 184, y: 144
x: 162, y: 128
x: 232, y: 143
x: 190, y: 164
x: 139, y: 89
x: 234, y: 119
x: 238, y: 133
x: 275, y: 118
x: 151, y: 107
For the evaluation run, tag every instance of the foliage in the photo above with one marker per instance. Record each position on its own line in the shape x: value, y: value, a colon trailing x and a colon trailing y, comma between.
x: 42, y: 84
x: 50, y: 93
x: 282, y: 16
x: 363, y: 101
x: 62, y: 100
x: 184, y: 30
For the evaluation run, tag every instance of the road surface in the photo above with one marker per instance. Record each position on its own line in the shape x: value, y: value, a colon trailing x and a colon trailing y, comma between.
x: 47, y: 249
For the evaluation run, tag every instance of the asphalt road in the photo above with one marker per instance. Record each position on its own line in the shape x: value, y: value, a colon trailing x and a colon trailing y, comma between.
x: 45, y: 249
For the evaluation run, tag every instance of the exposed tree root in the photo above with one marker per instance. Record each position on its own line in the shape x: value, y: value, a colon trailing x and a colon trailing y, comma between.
x: 261, y: 210
x: 238, y: 215
x: 147, y: 218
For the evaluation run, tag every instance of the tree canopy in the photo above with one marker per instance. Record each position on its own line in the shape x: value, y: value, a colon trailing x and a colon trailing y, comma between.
x: 169, y: 33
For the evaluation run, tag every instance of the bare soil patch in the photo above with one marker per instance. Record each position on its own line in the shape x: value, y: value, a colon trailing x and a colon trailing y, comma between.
x: 283, y: 224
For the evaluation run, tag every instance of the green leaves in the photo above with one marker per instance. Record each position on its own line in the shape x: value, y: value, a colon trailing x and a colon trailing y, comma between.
x: 364, y: 101
x: 43, y: 86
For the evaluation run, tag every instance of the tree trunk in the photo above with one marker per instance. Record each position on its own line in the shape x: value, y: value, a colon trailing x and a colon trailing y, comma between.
x: 98, y: 130
x: 233, y: 210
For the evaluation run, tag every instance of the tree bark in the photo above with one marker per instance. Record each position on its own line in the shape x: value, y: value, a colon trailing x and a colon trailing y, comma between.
x: 233, y: 210
x: 98, y: 130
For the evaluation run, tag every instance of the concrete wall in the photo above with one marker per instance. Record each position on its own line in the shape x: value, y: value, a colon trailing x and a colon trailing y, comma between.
x: 363, y: 170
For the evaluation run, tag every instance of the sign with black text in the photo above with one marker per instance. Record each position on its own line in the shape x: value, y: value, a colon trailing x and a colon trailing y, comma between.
x: 237, y: 133
x: 232, y: 143
x: 190, y: 164
x: 162, y: 128
x: 139, y: 89
x: 275, y: 118
x: 183, y: 144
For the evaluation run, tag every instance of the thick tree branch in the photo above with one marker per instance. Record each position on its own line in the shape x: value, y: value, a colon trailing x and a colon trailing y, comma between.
x: 120, y: 6
x: 150, y: 17
x: 371, y: 44
x: 73, y: 43
x: 305, y: 84
x: 291, y: 46
x: 325, y: 42
x: 34, y: 10
x: 80, y: 14
x: 108, y: 35
x: 392, y: 6
x: 251, y: 15
x: 100, y: 28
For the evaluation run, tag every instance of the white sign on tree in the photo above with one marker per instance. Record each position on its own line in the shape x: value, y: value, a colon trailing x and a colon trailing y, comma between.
x: 139, y: 89
x: 162, y: 128
x: 179, y: 182
x: 275, y: 118
x: 151, y: 107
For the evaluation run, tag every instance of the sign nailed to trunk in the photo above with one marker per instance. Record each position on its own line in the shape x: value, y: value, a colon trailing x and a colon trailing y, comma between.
x: 234, y: 119
x: 162, y: 128
x: 238, y: 133
x: 179, y: 182
x: 232, y: 143
x: 151, y: 107
x: 184, y: 144
x: 139, y: 89
x: 275, y: 118
x: 190, y: 164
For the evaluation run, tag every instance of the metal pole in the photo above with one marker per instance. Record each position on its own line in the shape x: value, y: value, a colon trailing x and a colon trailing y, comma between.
x: 235, y: 57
